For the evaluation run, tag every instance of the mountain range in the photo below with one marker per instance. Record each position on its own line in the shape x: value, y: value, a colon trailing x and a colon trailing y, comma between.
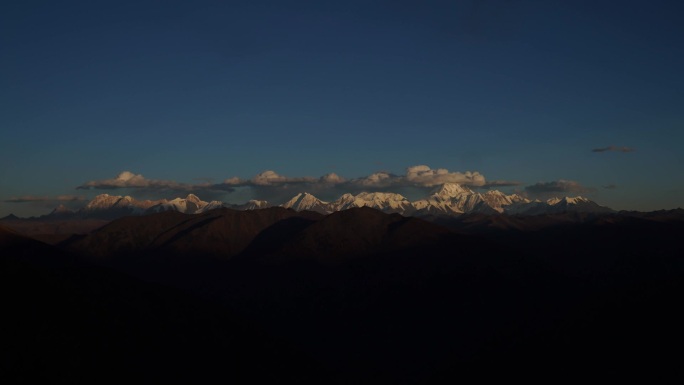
x: 449, y: 199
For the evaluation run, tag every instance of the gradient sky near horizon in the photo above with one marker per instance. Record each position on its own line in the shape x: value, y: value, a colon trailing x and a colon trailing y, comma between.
x: 536, y: 92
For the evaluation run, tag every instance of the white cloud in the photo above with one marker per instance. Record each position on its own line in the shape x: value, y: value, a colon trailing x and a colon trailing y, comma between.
x: 416, y: 176
x: 267, y: 178
x: 562, y: 186
x: 129, y: 180
x: 378, y: 179
x: 272, y: 186
x: 35, y: 199
x: 271, y: 177
x: 332, y: 179
x: 235, y: 181
x: 424, y: 176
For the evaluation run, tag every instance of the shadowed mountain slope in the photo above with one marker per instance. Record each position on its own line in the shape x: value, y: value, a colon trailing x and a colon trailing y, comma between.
x: 362, y: 231
x: 478, y: 223
x: 268, y: 234
x: 9, y: 237
x: 17, y: 247
x: 221, y: 233
x: 31, y: 227
x: 66, y: 322
x: 384, y: 299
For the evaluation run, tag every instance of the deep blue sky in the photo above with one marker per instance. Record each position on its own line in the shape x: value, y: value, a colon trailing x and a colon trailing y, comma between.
x: 516, y: 90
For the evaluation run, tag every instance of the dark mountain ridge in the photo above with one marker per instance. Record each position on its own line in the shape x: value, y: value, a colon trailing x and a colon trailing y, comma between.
x: 380, y: 298
x: 221, y: 233
x: 69, y: 321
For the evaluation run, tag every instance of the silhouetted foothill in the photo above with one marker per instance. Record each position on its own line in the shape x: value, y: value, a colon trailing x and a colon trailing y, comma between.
x: 356, y: 296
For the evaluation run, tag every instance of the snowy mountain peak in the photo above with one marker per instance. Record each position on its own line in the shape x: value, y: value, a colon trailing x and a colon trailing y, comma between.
x: 450, y: 190
x: 346, y: 198
x: 567, y: 200
x: 258, y: 202
x: 387, y: 202
x: 448, y: 199
x: 211, y: 205
x: 102, y: 201
x: 576, y: 200
x: 189, y: 205
x: 106, y: 206
x: 61, y: 210
x: 381, y: 197
x: 298, y: 199
x: 251, y: 205
x: 306, y: 201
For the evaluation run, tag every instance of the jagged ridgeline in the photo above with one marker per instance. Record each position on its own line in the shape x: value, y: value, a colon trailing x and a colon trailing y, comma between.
x: 449, y: 199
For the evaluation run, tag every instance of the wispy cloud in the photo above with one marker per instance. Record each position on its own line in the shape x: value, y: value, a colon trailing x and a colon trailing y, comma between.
x: 267, y: 178
x: 614, y: 149
x: 129, y: 180
x: 72, y: 202
x: 500, y: 183
x: 415, y: 176
x: 273, y: 186
x: 423, y: 176
x: 557, y: 187
x: 41, y: 199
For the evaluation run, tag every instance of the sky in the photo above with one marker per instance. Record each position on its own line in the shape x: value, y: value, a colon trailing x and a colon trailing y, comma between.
x: 215, y: 97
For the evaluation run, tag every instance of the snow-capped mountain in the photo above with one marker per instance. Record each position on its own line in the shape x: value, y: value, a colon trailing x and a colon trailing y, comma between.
x: 386, y: 202
x: 249, y: 205
x: 188, y: 205
x: 111, y: 206
x: 558, y: 205
x: 308, y: 202
x: 453, y: 199
x: 61, y: 211
x: 107, y: 206
x: 449, y: 199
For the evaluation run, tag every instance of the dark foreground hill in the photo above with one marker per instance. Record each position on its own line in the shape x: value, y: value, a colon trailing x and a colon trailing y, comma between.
x: 51, y: 230
x: 379, y: 298
x: 68, y: 322
x: 221, y: 233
